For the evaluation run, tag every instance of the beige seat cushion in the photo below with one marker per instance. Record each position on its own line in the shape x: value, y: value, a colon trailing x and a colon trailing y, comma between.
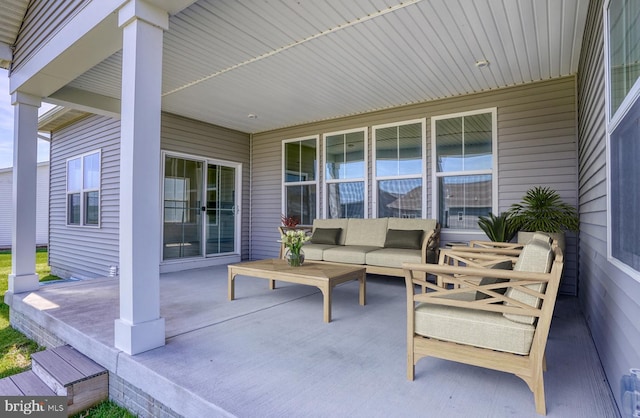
x: 351, y: 254
x: 473, y: 327
x: 392, y: 257
x: 333, y: 223
x: 315, y: 251
x: 367, y: 232
x: 536, y: 257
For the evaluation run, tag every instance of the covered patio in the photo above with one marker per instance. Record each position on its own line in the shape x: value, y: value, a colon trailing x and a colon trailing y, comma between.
x: 268, y: 353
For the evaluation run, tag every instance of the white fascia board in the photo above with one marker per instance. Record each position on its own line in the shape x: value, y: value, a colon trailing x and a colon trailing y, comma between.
x: 87, y: 39
x: 86, y: 101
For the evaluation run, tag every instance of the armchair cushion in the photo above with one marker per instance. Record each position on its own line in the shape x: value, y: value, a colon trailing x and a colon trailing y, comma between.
x: 503, y: 265
x: 473, y: 327
x: 398, y: 238
x: 536, y: 257
x: 328, y: 236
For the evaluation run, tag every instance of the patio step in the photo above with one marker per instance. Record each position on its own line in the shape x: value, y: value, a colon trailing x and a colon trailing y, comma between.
x: 61, y: 371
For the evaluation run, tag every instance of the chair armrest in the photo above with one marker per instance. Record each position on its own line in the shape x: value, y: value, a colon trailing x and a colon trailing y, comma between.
x: 496, y: 245
x: 467, y: 279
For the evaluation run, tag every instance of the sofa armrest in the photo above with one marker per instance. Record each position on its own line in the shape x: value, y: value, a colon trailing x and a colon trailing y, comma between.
x: 431, y: 244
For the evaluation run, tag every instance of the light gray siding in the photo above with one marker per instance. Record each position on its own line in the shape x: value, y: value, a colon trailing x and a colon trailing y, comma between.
x: 42, y: 205
x: 43, y: 19
x: 76, y: 251
x: 536, y: 146
x: 89, y: 252
x: 609, y: 297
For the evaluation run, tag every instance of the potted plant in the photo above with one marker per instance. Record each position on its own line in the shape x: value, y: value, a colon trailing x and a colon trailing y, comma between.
x: 542, y: 209
x: 498, y: 228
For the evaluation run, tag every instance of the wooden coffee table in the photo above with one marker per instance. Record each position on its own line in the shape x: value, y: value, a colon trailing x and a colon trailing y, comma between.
x: 323, y: 276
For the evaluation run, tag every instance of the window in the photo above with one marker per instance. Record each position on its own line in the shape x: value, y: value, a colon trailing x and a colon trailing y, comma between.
x: 398, y: 169
x: 300, y: 179
x: 83, y: 190
x: 464, y: 162
x: 622, y: 46
x: 345, y: 172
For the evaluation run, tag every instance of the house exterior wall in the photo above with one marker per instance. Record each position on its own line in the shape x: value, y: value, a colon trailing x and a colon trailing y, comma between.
x: 610, y: 298
x: 42, y: 205
x: 83, y: 251
x: 536, y: 145
x: 86, y: 252
x: 35, y: 31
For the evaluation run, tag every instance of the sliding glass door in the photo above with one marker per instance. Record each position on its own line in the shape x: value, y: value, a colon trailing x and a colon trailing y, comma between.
x: 221, y: 209
x: 200, y: 208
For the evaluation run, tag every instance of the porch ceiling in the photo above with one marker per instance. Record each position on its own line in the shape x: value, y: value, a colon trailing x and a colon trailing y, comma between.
x: 293, y: 62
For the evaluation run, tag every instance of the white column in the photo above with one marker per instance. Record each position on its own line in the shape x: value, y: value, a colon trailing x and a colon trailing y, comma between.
x: 23, y: 277
x: 140, y: 327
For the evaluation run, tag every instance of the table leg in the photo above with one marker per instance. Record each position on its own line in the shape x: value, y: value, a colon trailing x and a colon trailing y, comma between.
x: 326, y: 302
x: 231, y: 286
x: 363, y: 288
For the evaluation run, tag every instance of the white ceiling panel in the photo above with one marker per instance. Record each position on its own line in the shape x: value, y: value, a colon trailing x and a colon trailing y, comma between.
x: 11, y: 14
x: 292, y: 62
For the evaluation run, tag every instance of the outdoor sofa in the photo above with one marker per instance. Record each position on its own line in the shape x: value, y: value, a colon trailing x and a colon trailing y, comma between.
x: 381, y: 245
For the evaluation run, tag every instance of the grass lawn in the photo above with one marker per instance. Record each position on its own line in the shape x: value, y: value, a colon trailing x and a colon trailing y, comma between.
x: 16, y: 348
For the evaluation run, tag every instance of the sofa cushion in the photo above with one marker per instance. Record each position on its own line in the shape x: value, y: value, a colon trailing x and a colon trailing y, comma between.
x: 412, y: 223
x: 503, y: 265
x: 473, y: 327
x: 536, y: 257
x: 408, y: 238
x: 315, y: 251
x: 350, y: 254
x: 393, y: 257
x: 332, y: 223
x: 367, y: 232
x: 330, y: 236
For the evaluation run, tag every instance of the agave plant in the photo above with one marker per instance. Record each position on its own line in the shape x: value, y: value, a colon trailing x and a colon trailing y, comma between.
x: 542, y: 209
x: 498, y: 228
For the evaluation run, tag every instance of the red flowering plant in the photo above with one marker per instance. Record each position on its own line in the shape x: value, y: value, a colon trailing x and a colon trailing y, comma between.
x: 290, y: 221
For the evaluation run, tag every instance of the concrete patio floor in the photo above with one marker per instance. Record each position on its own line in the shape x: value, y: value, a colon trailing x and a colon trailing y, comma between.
x: 269, y: 354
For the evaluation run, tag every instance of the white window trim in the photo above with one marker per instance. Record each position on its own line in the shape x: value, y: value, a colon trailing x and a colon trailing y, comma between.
x: 283, y: 202
x: 82, y: 191
x: 364, y: 179
x: 435, y: 204
x: 612, y: 122
x: 423, y: 171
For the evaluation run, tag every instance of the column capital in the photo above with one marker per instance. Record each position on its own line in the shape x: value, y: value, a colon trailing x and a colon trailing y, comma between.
x: 139, y: 9
x: 25, y: 98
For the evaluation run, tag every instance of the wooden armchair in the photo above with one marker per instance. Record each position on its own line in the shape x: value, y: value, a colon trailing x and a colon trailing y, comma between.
x: 479, y: 314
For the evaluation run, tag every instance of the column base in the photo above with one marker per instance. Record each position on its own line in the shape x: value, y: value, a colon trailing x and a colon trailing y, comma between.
x: 138, y: 338
x: 23, y: 283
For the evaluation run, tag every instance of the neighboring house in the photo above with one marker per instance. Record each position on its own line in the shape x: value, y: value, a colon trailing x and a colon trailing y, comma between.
x: 199, y: 126
x: 42, y: 203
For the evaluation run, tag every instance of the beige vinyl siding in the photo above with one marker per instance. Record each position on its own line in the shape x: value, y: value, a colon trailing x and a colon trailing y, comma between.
x: 42, y: 205
x: 75, y: 251
x: 43, y: 19
x: 610, y: 298
x: 536, y: 145
x: 201, y: 139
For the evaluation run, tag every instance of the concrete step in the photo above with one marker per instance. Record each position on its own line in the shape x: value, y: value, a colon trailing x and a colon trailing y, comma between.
x: 61, y: 371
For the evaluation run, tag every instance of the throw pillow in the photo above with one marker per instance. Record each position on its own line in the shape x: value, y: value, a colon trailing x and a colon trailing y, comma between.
x: 503, y: 265
x: 329, y: 236
x: 401, y: 238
